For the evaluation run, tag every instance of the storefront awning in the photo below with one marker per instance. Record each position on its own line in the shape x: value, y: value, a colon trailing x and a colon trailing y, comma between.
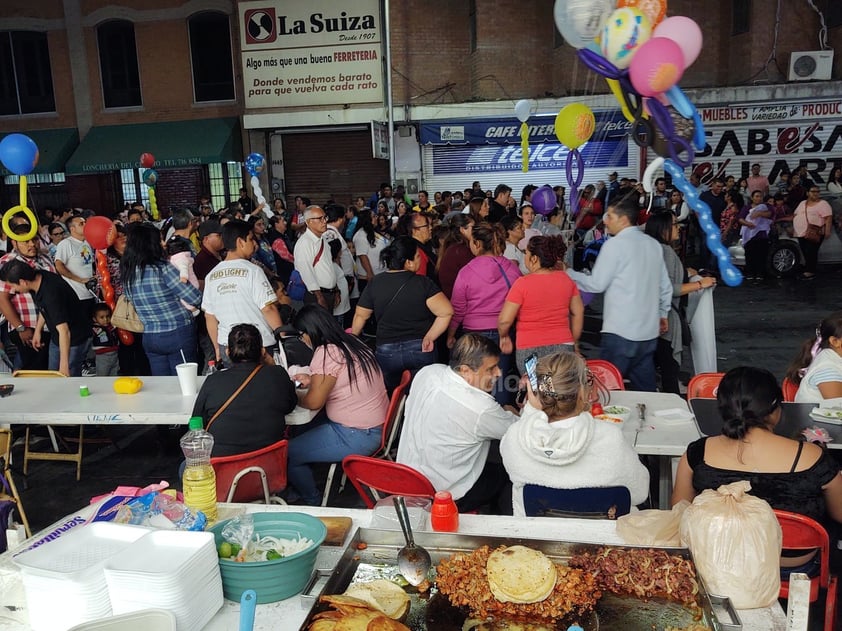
x: 54, y: 148
x: 177, y: 144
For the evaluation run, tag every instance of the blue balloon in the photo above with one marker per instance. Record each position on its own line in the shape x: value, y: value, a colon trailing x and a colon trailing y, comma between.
x: 19, y: 153
x: 150, y: 177
x: 255, y: 163
x: 730, y: 274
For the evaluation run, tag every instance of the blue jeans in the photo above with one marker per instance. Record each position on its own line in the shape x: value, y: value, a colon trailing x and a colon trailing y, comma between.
x: 395, y: 357
x: 164, y: 349
x: 328, y: 442
x: 635, y: 360
x: 78, y: 354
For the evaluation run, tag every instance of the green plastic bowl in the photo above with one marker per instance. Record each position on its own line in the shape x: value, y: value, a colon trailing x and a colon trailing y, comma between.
x: 278, y: 579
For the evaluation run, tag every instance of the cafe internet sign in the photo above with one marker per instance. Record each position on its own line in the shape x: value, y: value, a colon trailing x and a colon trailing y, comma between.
x: 301, y: 53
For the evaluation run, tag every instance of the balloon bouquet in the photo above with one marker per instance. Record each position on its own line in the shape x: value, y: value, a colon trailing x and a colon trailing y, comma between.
x: 642, y: 55
x: 150, y: 178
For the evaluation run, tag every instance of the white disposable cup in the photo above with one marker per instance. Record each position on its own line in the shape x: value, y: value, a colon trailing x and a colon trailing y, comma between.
x: 188, y: 378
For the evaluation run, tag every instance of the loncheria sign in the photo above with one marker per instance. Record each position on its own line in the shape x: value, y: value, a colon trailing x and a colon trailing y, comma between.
x: 299, y: 52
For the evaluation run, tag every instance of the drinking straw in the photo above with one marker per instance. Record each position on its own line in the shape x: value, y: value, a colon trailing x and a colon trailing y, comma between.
x: 183, y: 358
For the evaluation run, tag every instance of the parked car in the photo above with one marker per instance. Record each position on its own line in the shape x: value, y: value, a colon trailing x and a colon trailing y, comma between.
x: 785, y: 255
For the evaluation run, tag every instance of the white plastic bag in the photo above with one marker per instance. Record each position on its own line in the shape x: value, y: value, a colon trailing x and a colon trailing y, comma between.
x: 652, y: 527
x: 735, y: 539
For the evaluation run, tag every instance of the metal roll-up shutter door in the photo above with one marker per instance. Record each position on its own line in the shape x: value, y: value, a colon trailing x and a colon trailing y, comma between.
x: 337, y: 164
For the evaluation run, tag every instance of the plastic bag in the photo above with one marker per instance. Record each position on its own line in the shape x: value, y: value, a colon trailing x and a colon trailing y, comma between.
x: 158, y: 510
x: 735, y: 539
x: 239, y: 533
x: 652, y: 527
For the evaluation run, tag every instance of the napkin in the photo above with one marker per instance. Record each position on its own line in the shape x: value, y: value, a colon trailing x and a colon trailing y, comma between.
x: 672, y: 415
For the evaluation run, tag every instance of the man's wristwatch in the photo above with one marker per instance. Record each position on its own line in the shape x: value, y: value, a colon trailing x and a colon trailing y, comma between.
x: 20, y: 328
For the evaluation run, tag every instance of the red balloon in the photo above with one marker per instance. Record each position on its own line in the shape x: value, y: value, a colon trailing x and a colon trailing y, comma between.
x: 100, y: 232
x: 147, y: 160
x: 126, y: 337
x: 108, y: 296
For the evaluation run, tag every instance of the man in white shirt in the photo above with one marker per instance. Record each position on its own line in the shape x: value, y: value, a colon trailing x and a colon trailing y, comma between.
x: 313, y: 262
x: 451, y: 419
x: 75, y: 262
x: 630, y: 270
x: 237, y: 292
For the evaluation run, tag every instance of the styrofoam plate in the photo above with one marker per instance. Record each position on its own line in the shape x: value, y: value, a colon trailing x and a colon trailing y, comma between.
x: 80, y: 549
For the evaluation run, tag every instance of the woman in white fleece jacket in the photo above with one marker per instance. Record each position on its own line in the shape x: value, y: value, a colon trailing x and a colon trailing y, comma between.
x: 558, y: 444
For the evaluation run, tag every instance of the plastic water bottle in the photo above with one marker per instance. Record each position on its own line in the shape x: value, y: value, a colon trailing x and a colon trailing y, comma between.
x: 199, y: 479
x: 211, y: 367
x: 444, y: 515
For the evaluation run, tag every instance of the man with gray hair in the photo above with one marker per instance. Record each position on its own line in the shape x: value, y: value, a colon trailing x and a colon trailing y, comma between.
x: 451, y: 419
x: 313, y: 261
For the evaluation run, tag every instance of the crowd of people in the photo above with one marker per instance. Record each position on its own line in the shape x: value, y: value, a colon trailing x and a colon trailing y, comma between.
x: 325, y: 306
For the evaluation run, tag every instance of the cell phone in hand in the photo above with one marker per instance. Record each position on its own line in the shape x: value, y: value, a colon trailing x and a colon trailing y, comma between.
x: 531, y: 364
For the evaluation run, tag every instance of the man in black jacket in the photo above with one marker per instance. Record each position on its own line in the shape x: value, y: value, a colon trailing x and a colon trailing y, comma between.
x: 499, y: 205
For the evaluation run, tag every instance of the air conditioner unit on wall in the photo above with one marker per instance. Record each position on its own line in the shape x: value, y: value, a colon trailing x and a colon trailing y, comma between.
x: 810, y: 65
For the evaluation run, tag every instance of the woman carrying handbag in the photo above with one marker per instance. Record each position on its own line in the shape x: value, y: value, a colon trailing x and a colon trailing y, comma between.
x: 812, y: 223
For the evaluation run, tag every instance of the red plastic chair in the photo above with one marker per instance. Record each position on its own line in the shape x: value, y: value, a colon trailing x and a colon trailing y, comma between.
x: 375, y: 476
x: 607, y: 374
x: 803, y: 533
x: 391, y: 428
x: 789, y: 389
x: 249, y: 477
x: 704, y: 385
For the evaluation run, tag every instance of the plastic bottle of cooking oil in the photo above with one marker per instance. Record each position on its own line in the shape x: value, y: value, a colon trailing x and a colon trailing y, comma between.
x: 199, y: 479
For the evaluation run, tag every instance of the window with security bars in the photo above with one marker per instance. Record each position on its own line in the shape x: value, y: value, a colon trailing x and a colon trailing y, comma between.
x: 36, y: 178
x: 225, y: 180
x: 118, y: 64
x: 133, y: 188
x: 210, y: 57
x: 26, y: 80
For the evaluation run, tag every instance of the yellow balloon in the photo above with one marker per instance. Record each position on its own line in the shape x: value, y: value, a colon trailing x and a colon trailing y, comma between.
x: 30, y: 216
x: 20, y: 208
x: 574, y: 125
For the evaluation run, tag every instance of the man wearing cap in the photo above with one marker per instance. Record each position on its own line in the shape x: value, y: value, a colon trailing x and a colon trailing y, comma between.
x: 19, y: 308
x: 211, y: 250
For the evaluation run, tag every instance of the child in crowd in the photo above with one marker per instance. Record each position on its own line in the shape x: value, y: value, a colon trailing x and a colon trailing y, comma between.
x: 105, y: 342
x: 181, y: 257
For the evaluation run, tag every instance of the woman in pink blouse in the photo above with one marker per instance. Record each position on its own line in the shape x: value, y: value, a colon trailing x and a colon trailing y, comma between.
x: 346, y: 381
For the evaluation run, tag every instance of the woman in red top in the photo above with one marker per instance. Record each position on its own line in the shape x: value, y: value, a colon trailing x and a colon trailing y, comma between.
x: 590, y: 211
x: 546, y: 303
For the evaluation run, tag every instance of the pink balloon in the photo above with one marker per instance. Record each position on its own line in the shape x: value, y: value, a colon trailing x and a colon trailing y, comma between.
x: 684, y: 32
x: 656, y: 66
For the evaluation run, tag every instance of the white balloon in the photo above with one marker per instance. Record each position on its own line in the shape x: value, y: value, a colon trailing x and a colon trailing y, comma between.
x: 649, y: 174
x: 523, y: 109
x: 258, y: 193
x: 580, y: 21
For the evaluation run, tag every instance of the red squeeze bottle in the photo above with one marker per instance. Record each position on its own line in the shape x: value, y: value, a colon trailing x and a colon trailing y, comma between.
x: 444, y: 516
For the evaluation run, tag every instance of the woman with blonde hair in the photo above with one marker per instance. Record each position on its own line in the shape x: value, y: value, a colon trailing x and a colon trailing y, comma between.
x: 558, y: 444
